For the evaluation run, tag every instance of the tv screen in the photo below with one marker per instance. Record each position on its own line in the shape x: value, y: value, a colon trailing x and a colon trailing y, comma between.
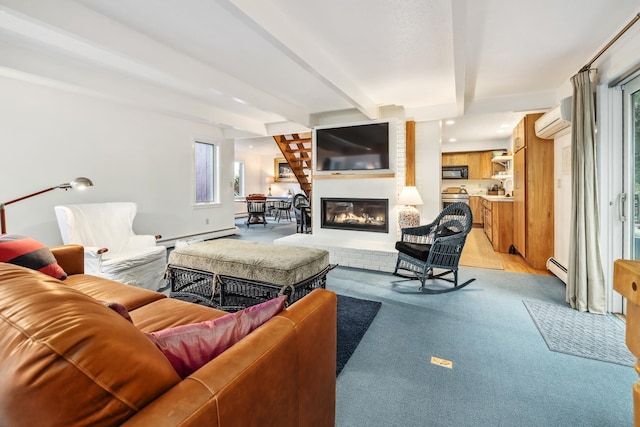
x: 359, y: 147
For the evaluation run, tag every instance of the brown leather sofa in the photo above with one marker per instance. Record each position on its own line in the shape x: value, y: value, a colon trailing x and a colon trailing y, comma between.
x: 68, y: 360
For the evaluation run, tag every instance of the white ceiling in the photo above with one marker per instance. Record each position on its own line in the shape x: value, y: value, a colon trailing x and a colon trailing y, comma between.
x: 258, y: 68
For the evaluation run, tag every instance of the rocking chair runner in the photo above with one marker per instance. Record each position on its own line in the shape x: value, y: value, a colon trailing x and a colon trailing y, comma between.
x: 435, y: 246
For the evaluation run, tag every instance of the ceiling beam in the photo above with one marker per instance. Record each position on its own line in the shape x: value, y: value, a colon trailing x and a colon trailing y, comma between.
x: 459, y: 27
x: 96, y: 43
x: 283, y: 33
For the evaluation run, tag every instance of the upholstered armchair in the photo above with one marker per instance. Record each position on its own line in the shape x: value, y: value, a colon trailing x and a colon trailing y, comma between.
x: 111, y: 249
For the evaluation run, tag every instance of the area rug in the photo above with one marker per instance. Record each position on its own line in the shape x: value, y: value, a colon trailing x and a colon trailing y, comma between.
x: 478, y: 252
x: 354, y: 317
x: 592, y: 336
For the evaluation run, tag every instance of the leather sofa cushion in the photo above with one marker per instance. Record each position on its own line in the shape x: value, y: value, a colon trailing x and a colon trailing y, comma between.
x: 103, y: 289
x: 170, y: 312
x: 54, y: 338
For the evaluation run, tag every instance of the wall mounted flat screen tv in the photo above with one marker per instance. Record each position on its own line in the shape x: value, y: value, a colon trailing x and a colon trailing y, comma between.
x: 352, y: 148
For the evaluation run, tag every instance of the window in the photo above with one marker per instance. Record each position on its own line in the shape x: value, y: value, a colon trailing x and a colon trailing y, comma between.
x: 238, y: 179
x: 206, y: 158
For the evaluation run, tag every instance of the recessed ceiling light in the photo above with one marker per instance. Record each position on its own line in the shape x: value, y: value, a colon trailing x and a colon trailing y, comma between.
x: 500, y: 131
x: 452, y: 140
x: 251, y: 146
x: 504, y: 126
x: 449, y: 122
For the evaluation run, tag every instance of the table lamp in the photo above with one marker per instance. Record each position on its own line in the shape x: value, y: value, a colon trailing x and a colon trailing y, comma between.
x: 78, y: 183
x: 409, y: 216
x: 269, y: 180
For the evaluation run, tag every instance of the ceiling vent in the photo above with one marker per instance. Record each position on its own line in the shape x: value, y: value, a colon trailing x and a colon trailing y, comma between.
x: 556, y: 122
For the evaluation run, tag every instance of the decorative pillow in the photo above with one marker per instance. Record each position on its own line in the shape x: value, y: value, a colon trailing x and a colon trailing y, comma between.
x: 188, y: 347
x: 29, y: 253
x: 118, y: 308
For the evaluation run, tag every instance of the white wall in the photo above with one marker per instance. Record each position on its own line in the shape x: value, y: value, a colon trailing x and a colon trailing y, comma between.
x: 50, y: 136
x: 428, y: 169
x: 562, y: 198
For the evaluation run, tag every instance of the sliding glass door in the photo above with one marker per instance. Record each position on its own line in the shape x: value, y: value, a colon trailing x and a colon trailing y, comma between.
x: 631, y: 111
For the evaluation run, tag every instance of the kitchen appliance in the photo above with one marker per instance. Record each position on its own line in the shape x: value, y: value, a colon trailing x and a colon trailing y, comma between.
x: 452, y: 195
x: 455, y: 172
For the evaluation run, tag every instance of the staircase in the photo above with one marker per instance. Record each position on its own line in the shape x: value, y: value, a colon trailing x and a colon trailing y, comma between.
x: 297, y: 152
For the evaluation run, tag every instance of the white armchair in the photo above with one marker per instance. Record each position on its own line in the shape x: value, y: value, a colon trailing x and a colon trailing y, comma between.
x: 111, y: 249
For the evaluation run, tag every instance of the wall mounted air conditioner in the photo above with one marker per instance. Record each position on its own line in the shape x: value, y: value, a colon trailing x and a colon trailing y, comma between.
x: 556, y: 122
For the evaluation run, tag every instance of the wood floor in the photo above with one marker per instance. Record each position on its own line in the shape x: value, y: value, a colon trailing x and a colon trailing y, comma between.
x: 516, y: 263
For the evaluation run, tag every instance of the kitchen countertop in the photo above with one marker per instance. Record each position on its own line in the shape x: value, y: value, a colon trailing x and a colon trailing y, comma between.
x: 496, y: 198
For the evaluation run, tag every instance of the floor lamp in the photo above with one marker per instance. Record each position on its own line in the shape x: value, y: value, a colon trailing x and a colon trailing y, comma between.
x: 78, y: 183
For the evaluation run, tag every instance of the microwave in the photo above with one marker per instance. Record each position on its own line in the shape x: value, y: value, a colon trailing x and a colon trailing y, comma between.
x: 455, y: 172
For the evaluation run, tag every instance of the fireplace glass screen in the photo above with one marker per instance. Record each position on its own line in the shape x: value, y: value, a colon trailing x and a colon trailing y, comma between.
x: 355, y: 214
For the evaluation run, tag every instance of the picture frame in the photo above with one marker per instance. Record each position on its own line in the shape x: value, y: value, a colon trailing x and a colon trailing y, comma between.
x: 282, y: 171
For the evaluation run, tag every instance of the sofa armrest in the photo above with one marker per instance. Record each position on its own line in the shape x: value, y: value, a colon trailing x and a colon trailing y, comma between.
x: 284, y: 374
x: 70, y: 258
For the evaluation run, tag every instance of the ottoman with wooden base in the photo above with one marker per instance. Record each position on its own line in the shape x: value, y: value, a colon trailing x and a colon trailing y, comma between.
x: 231, y: 274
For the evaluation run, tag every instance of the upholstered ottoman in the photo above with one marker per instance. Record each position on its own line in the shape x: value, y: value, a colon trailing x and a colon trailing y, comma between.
x: 233, y: 274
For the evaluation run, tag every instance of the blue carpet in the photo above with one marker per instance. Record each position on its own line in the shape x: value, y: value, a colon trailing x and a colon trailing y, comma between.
x: 354, y: 317
x: 594, y: 336
x: 503, y: 373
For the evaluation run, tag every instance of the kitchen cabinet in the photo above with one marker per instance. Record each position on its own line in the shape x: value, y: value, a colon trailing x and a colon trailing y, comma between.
x: 498, y: 223
x: 479, y: 162
x: 533, y: 195
x: 518, y: 137
x: 455, y: 159
x: 475, y: 203
x: 474, y: 165
x: 486, y: 165
x: 487, y: 218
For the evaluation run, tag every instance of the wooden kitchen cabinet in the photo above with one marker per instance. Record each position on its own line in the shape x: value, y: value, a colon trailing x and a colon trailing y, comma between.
x: 486, y: 165
x: 479, y: 162
x: 519, y: 136
x: 498, y: 224
x: 487, y: 218
x: 533, y: 194
x: 455, y: 159
x: 474, y: 165
x: 475, y: 203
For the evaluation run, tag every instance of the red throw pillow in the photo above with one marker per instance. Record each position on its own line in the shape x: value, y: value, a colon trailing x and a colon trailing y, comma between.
x: 29, y: 253
x: 188, y: 347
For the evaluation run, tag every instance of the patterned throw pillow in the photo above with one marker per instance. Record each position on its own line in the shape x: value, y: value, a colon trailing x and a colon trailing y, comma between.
x: 188, y: 347
x: 29, y: 253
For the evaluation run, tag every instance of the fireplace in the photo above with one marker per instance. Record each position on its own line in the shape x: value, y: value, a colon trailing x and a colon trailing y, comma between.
x: 355, y: 214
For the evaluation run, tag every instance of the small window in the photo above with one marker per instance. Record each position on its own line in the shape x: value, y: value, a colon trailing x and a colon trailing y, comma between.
x: 206, y: 158
x: 238, y: 179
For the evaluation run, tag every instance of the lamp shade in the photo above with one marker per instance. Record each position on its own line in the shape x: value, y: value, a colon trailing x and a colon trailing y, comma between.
x: 409, y: 196
x: 81, y: 182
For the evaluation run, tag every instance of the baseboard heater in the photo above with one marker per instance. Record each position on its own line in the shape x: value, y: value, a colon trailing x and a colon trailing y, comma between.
x: 557, y: 269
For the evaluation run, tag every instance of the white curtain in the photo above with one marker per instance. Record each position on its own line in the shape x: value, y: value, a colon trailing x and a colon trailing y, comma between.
x: 585, y: 279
